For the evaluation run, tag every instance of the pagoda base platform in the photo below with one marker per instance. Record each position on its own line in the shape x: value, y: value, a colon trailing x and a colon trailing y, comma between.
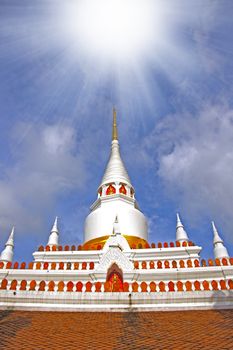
x: 116, y: 301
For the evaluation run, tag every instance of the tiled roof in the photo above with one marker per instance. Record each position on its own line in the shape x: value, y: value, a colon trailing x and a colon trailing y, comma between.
x: 130, y: 330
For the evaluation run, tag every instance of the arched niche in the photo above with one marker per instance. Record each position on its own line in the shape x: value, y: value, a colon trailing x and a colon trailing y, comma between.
x: 115, y: 278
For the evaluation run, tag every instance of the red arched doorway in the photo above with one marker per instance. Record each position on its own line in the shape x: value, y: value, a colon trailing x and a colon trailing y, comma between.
x: 115, y: 278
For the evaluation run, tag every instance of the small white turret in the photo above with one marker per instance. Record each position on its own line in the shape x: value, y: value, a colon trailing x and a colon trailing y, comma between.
x: 8, y: 252
x: 116, y: 239
x: 116, y: 227
x: 181, y: 235
x: 220, y: 251
x: 54, y: 234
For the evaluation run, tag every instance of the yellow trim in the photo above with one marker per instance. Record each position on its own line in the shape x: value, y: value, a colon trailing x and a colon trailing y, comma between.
x: 100, y: 241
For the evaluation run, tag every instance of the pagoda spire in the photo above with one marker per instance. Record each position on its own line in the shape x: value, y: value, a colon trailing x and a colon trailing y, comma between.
x: 114, y: 125
x: 220, y: 251
x: 181, y: 235
x: 54, y: 234
x: 8, y: 252
x: 116, y: 197
x: 115, y: 170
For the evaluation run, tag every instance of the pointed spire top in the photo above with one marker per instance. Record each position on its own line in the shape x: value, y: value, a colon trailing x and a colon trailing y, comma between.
x: 10, y: 240
x: 115, y: 170
x: 178, y: 222
x: 8, y: 252
x: 55, y: 225
x: 181, y: 234
x: 54, y: 233
x: 220, y: 251
x: 114, y: 126
x: 217, y: 238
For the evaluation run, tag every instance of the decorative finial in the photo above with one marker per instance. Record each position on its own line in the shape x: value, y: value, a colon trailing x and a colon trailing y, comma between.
x: 54, y: 234
x: 116, y: 228
x: 114, y: 126
x: 8, y: 252
x: 220, y: 251
x: 181, y: 235
x: 217, y: 238
x: 178, y: 221
x: 10, y: 240
x: 55, y: 228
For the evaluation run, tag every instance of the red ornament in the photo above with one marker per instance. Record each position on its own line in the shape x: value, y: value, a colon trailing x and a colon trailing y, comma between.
x: 122, y: 189
x: 110, y: 190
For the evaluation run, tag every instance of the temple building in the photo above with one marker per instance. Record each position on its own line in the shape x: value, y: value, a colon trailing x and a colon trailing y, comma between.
x: 117, y: 267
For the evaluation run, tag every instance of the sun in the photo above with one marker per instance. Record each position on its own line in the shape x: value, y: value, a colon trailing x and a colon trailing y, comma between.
x: 112, y: 29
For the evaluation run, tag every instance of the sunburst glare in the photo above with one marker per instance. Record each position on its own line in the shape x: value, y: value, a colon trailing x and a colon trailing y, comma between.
x: 113, y: 29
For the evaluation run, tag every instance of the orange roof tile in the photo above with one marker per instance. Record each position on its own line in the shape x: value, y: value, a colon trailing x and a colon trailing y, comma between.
x: 130, y: 330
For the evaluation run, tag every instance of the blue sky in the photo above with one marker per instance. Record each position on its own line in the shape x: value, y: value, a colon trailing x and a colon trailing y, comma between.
x: 175, y: 116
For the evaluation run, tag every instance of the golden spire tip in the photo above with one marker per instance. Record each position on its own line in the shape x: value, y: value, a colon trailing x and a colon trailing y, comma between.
x: 114, y: 126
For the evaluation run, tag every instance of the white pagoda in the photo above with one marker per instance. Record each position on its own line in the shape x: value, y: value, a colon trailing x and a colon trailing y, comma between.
x: 117, y: 268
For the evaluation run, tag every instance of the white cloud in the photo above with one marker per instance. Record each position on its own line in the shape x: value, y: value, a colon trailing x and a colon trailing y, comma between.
x: 195, y: 156
x: 47, y: 163
x: 58, y: 140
